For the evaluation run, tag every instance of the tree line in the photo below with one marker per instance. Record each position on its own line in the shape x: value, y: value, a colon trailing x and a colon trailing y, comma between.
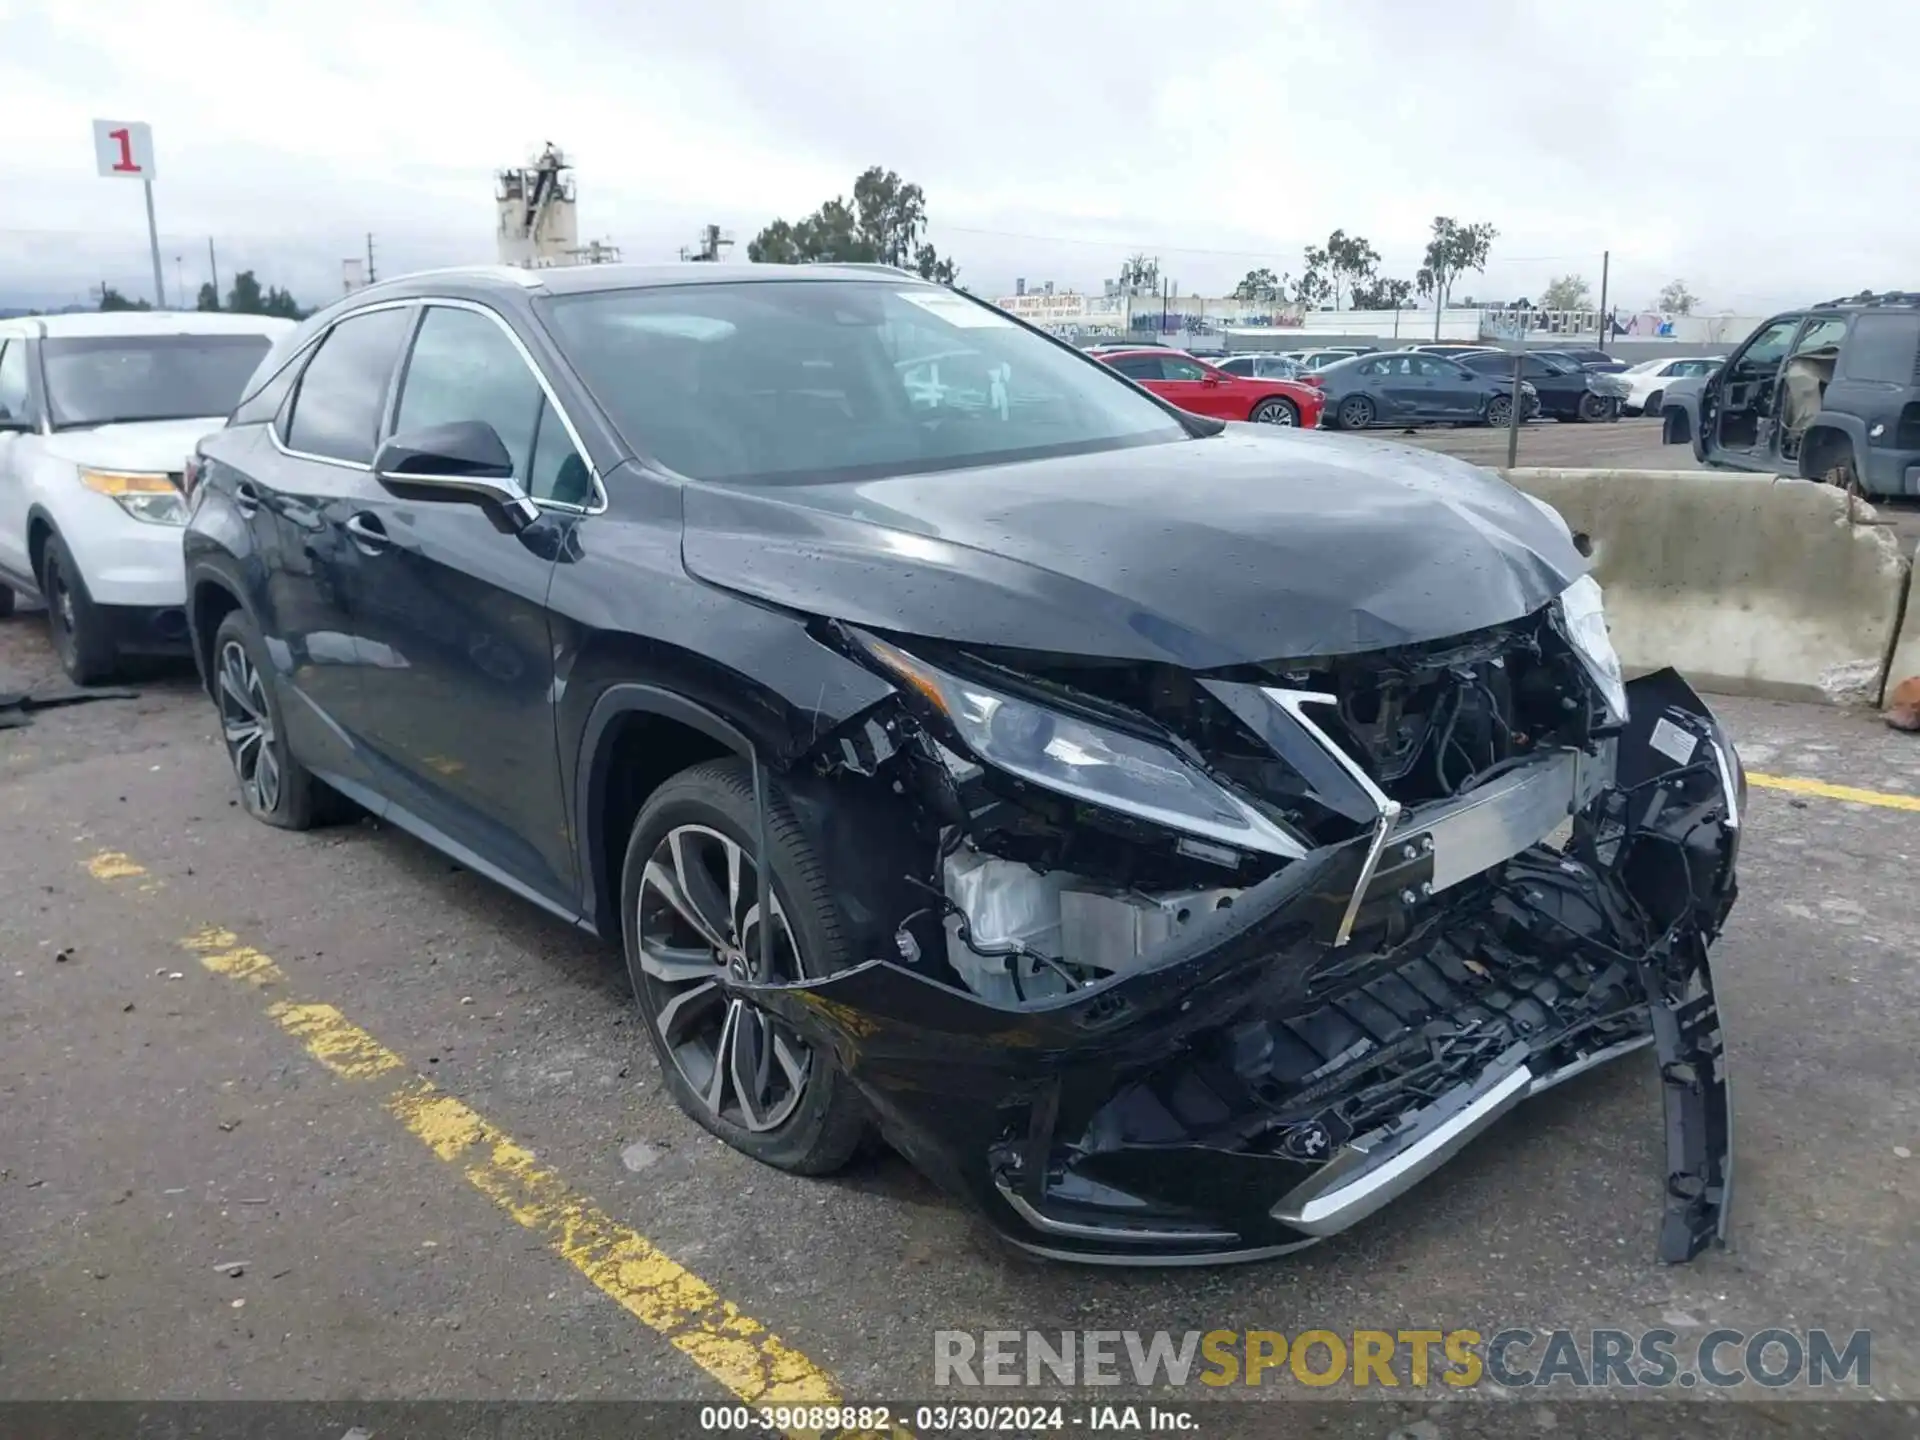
x: 1344, y: 273
x: 1346, y: 269
x: 884, y: 224
x: 245, y: 297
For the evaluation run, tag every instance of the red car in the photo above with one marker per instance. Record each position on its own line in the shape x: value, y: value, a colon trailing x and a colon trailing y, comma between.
x: 1197, y: 386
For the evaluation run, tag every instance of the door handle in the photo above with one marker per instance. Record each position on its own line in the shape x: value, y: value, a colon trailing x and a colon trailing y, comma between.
x: 368, y: 533
x: 246, y: 499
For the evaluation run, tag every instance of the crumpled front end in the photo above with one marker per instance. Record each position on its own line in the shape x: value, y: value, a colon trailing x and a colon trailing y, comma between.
x: 1297, y: 1051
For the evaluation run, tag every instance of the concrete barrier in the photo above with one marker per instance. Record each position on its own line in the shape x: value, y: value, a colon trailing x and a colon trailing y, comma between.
x: 1906, y: 652
x: 1746, y: 584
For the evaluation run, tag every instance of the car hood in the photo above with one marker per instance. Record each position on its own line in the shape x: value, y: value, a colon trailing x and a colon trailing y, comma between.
x: 1252, y: 545
x: 155, y: 445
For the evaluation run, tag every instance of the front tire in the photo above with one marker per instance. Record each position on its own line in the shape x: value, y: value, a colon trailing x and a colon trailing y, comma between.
x: 689, y: 894
x: 80, y: 634
x: 1275, y: 410
x: 1594, y: 408
x: 275, y: 788
x: 1500, y: 411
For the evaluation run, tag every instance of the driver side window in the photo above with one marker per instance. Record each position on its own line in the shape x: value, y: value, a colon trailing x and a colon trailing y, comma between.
x: 1769, y: 347
x: 1172, y: 369
x: 464, y: 367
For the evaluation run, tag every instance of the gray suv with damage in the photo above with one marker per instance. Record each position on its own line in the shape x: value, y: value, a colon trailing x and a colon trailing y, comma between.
x: 1829, y: 393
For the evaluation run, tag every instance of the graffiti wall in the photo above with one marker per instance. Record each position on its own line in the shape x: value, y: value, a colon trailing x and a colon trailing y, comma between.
x: 1075, y: 316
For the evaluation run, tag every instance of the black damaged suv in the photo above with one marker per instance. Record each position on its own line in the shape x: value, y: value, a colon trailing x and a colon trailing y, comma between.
x: 1178, y: 838
x: 1830, y: 393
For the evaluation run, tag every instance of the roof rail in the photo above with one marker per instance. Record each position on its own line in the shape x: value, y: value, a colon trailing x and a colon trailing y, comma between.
x: 527, y: 279
x: 865, y: 265
x: 1867, y: 297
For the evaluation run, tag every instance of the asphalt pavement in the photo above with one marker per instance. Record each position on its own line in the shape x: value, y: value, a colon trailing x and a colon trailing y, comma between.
x: 322, y: 1115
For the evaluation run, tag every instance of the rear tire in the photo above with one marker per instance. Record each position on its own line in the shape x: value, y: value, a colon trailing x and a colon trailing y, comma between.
x: 1275, y: 410
x: 1841, y: 471
x: 80, y: 633
x: 1356, y: 412
x: 1593, y: 408
x: 1500, y: 411
x: 770, y: 1095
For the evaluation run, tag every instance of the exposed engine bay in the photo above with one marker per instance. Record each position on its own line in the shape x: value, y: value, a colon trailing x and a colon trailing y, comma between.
x: 1177, y: 967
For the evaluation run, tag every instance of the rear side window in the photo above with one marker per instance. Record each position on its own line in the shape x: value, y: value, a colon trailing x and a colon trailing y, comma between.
x: 1882, y: 348
x: 1139, y: 367
x: 264, y: 404
x: 336, y: 410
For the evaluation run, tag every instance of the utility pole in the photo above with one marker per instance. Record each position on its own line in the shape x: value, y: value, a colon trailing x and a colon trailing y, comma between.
x: 180, y: 281
x: 213, y: 269
x: 153, y: 238
x: 371, y: 276
x: 1439, y: 295
x: 1606, y: 326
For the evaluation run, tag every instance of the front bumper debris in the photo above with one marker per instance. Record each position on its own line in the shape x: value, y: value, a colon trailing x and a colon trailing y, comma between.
x: 1258, y: 1085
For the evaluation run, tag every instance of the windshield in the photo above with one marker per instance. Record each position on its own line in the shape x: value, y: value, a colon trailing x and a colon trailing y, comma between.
x: 800, y: 379
x: 107, y: 379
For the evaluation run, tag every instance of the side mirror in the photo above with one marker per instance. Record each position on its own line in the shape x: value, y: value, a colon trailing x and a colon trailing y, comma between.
x: 464, y: 461
x: 1212, y: 377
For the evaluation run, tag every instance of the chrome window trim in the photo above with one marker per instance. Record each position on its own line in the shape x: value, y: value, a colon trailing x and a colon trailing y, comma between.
x: 595, y: 506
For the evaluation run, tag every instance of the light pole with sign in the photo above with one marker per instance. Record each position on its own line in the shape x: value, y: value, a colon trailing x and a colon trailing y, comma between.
x: 123, y: 150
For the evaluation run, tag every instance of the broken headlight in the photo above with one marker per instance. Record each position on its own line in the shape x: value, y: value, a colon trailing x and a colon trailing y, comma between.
x: 1079, y: 757
x: 1584, y: 617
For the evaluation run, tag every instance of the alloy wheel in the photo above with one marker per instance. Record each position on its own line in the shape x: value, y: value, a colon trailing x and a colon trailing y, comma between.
x: 698, y: 930
x: 1356, y: 412
x: 1499, y: 411
x: 246, y: 721
x: 1273, y: 412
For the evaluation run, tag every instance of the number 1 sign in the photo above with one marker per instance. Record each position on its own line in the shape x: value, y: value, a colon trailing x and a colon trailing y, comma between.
x: 123, y: 149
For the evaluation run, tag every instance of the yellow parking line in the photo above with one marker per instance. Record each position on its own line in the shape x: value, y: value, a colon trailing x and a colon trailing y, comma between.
x: 732, y: 1347
x: 1795, y: 785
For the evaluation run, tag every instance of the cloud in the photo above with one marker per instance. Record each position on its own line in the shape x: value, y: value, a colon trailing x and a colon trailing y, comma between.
x: 1755, y: 148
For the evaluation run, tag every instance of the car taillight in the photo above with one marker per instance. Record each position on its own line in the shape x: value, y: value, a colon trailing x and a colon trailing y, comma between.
x: 1309, y: 378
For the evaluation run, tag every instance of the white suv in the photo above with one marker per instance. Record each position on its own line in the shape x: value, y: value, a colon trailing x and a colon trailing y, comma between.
x: 98, y: 414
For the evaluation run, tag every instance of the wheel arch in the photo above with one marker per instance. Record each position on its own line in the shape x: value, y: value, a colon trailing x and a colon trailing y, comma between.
x: 211, y: 597
x: 1828, y: 436
x: 40, y: 529
x: 636, y: 737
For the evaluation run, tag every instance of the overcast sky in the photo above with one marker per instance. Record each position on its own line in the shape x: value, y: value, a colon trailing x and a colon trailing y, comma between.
x: 1766, y: 151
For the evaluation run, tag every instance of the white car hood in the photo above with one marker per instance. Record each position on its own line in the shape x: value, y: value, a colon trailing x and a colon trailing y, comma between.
x: 158, y: 446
